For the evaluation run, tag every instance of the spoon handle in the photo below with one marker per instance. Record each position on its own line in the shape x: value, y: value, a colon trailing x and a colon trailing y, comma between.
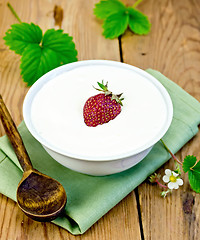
x: 14, y: 136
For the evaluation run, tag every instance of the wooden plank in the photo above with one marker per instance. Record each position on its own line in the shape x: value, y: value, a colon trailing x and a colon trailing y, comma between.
x: 122, y: 221
x: 173, y: 48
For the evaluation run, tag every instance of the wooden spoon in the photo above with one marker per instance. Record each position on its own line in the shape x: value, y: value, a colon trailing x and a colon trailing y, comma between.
x: 39, y: 196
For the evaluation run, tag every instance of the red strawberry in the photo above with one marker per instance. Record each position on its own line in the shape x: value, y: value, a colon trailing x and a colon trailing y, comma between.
x: 102, y: 108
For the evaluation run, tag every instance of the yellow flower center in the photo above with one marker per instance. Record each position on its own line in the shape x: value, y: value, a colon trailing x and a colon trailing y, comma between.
x: 172, y: 178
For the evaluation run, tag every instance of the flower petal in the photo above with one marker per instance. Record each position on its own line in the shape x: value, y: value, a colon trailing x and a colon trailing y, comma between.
x: 171, y: 185
x: 179, y: 181
x: 165, y: 178
x: 176, y: 186
x: 168, y: 172
x: 175, y: 174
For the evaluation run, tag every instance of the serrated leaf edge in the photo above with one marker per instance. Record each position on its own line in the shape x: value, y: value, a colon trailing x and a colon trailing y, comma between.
x: 126, y: 9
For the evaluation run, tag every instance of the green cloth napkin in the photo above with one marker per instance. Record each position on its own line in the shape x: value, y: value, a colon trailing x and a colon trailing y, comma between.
x: 89, y: 197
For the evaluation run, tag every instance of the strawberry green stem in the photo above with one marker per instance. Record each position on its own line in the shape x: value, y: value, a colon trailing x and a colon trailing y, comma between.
x: 13, y: 12
x: 173, y: 156
x: 136, y: 3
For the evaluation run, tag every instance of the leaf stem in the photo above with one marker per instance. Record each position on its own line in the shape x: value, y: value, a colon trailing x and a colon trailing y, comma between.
x: 136, y: 3
x: 173, y: 156
x: 13, y: 12
x: 160, y: 184
x: 194, y: 166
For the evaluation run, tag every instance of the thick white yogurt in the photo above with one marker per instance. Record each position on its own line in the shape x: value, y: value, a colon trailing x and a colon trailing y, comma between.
x: 57, y: 113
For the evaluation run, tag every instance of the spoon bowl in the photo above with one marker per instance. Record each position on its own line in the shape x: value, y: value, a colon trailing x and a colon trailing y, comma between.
x: 39, y: 196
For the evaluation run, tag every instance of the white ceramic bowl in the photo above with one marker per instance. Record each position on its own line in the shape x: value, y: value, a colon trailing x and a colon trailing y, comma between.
x: 53, y: 114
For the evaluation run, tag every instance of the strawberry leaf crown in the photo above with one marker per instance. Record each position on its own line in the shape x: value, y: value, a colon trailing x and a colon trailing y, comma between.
x: 104, y: 89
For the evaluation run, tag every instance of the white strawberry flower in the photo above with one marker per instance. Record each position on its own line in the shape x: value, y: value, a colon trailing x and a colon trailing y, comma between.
x: 173, y: 179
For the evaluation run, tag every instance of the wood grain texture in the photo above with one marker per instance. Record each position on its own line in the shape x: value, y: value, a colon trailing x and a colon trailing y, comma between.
x: 14, y: 136
x: 78, y: 20
x: 173, y: 48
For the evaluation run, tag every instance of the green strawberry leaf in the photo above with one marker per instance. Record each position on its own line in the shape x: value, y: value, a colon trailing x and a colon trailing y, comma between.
x: 115, y: 25
x: 197, y: 167
x: 62, y: 44
x: 117, y: 17
x: 192, y: 166
x: 138, y: 22
x: 21, y: 35
x: 40, y: 54
x: 194, y: 180
x: 105, y: 8
x: 189, y: 162
x: 37, y: 61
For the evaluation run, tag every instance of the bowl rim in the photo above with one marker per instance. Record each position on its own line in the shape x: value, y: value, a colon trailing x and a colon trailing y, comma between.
x: 67, y: 67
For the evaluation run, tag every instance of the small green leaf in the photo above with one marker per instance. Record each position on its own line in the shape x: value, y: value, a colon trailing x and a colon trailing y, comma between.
x: 40, y: 54
x: 117, y: 17
x: 102, y: 86
x: 62, y: 44
x: 115, y: 25
x: 194, y: 180
x: 191, y: 166
x: 178, y: 169
x: 138, y: 22
x: 189, y: 162
x: 21, y: 35
x: 37, y: 61
x: 196, y: 167
x: 105, y: 8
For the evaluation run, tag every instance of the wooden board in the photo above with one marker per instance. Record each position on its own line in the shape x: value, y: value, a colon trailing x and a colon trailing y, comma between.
x: 172, y: 47
x: 80, y: 23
